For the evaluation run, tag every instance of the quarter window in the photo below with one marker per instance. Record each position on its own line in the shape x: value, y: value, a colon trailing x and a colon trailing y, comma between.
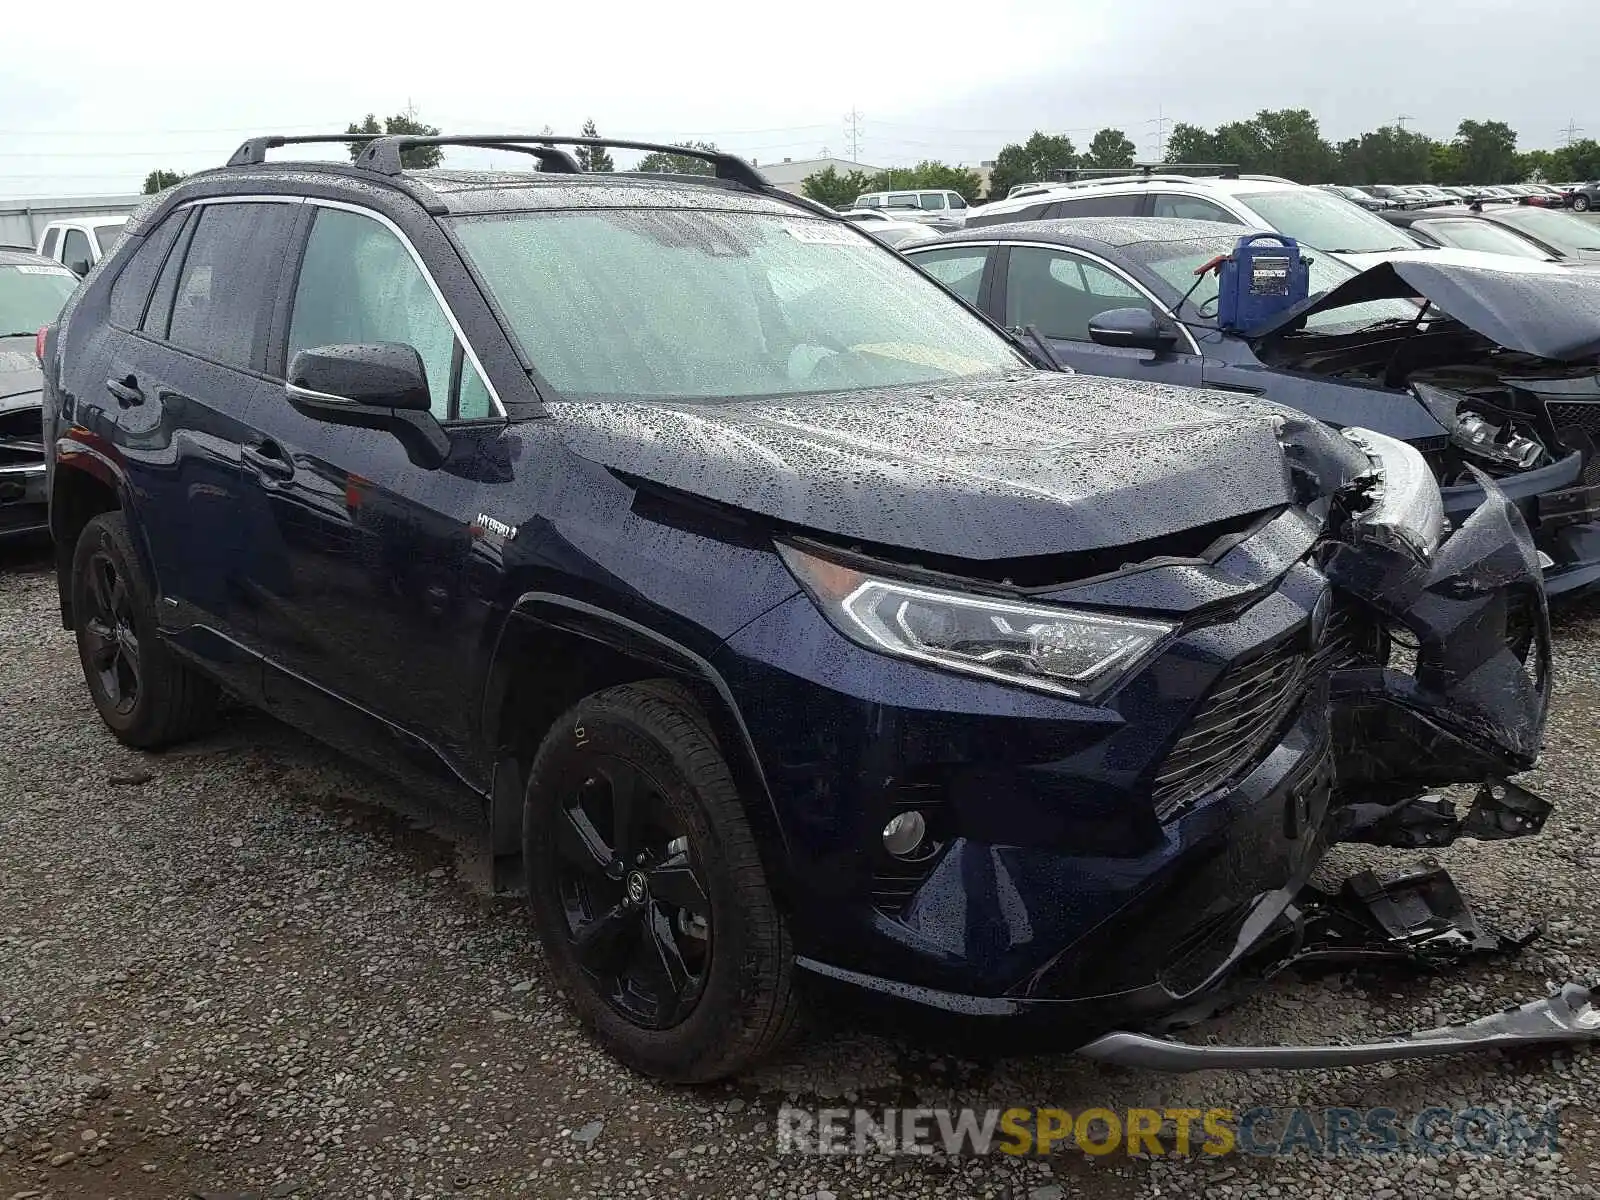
x: 1099, y: 206
x: 1191, y: 208
x: 932, y: 200
x: 52, y: 238
x: 358, y: 283
x: 1059, y: 293
x: 132, y: 288
x: 224, y: 294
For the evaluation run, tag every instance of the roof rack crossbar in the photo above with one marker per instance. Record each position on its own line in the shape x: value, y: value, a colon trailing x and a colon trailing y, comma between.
x: 254, y: 151
x: 383, y: 153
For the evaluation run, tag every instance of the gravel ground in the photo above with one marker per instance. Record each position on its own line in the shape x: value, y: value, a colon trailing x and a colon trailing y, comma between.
x: 250, y: 968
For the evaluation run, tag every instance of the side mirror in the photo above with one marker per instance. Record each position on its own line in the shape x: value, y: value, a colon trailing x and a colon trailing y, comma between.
x: 379, y: 385
x: 1134, y: 328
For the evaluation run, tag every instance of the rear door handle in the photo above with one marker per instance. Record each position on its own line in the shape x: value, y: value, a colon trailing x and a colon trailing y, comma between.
x: 268, y: 459
x: 126, y: 390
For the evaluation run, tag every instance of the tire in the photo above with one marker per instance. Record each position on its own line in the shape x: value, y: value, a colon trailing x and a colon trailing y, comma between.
x: 145, y: 694
x: 1581, y: 203
x: 735, y: 1000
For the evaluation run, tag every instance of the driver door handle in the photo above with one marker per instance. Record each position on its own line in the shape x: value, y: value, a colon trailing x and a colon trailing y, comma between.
x: 267, y: 457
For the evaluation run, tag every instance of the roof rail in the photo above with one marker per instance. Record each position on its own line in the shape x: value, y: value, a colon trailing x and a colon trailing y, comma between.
x: 1267, y: 178
x: 1146, y: 170
x: 254, y: 151
x: 383, y: 153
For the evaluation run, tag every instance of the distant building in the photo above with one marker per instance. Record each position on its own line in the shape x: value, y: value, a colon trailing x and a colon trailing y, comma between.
x: 791, y: 172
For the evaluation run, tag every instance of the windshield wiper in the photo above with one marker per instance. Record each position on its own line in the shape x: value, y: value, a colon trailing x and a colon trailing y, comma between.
x: 1030, y: 333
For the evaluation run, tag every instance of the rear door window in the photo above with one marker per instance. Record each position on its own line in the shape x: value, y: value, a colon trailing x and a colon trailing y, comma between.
x: 52, y: 239
x: 1099, y: 206
x: 223, y: 303
x: 932, y: 201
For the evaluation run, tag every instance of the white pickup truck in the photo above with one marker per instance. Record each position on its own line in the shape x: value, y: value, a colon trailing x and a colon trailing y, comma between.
x: 80, y: 242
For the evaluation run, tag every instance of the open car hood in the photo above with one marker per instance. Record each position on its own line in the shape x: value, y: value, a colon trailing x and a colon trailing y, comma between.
x: 1530, y: 307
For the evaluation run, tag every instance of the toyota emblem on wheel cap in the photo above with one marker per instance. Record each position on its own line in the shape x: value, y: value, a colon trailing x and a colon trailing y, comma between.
x: 636, y: 887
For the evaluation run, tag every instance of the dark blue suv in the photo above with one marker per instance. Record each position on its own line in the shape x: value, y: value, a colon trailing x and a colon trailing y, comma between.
x: 778, y: 617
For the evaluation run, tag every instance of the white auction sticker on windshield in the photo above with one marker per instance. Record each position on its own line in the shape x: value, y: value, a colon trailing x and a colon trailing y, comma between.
x: 820, y: 233
x: 31, y: 269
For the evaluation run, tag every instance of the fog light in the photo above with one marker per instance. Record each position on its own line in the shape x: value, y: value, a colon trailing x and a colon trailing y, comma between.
x: 905, y: 834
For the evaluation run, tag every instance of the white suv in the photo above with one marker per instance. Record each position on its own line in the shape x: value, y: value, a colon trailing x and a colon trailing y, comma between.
x: 1254, y: 202
x: 945, y: 209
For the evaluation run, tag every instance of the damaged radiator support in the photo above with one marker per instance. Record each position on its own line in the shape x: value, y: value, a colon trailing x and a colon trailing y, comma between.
x: 1416, y: 917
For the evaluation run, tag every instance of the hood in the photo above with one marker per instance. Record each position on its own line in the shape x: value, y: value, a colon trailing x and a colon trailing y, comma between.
x: 1522, y: 305
x: 1363, y: 259
x: 19, y: 369
x: 1040, y: 463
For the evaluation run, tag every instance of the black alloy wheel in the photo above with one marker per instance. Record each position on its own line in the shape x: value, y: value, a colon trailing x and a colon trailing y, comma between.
x: 637, y: 912
x: 111, y: 649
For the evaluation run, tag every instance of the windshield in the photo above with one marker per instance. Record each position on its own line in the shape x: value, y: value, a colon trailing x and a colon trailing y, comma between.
x: 1570, y: 235
x: 1176, y: 263
x: 1482, y: 235
x: 1321, y: 220
x: 694, y: 305
x: 31, y: 296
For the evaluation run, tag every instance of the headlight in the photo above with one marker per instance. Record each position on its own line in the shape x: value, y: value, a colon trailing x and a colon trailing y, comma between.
x: 1065, y: 651
x: 1406, y: 508
x: 1475, y: 435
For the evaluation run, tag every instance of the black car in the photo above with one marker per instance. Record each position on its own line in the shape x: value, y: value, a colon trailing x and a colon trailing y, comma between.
x: 32, y: 293
x: 1507, y: 385
x: 778, y: 618
x: 1468, y: 228
x: 1585, y: 196
x: 1356, y: 196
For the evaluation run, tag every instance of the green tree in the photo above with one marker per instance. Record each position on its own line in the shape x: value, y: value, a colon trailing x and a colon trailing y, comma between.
x: 1578, y: 160
x: 1109, y: 150
x: 593, y: 158
x: 926, y: 174
x: 829, y: 187
x: 1291, y: 144
x: 159, y: 180
x: 1488, y: 151
x: 1190, y: 143
x: 1387, y: 155
x: 1035, y: 161
x: 417, y: 158
x: 678, y: 164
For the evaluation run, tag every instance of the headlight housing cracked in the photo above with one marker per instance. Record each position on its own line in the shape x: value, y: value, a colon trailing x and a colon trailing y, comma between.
x: 1406, y: 510
x: 1064, y: 651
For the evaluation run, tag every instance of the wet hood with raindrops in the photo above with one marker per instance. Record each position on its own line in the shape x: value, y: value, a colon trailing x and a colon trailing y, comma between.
x: 1029, y: 464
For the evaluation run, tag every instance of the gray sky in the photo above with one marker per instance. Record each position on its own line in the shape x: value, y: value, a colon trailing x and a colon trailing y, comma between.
x: 174, y: 86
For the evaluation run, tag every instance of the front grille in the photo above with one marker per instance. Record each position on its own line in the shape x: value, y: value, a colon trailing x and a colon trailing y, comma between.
x: 21, y: 437
x: 1245, y: 708
x: 1583, y: 417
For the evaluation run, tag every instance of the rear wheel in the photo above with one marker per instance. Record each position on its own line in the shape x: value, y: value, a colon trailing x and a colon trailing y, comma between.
x: 144, y: 693
x: 647, y: 891
x: 1581, y: 202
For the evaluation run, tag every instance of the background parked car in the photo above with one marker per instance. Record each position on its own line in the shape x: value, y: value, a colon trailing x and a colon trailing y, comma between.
x: 1356, y: 196
x: 887, y: 226
x: 1560, y: 233
x: 1467, y: 229
x: 80, y: 242
x: 33, y: 290
x: 931, y: 206
x: 1120, y: 297
x: 1586, y: 196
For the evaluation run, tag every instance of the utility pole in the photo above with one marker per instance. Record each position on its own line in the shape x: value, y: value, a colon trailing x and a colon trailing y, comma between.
x: 1570, y: 133
x: 1160, y: 123
x: 1400, y: 121
x: 852, y: 133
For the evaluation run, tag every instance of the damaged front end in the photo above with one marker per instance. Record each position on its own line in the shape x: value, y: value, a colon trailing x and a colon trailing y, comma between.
x: 1457, y: 694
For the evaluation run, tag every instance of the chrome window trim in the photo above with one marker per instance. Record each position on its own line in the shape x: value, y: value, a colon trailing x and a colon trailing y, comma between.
x: 1194, y: 346
x: 468, y: 352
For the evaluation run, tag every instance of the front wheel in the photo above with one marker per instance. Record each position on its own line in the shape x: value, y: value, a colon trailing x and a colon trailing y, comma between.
x: 647, y: 891
x: 1581, y: 203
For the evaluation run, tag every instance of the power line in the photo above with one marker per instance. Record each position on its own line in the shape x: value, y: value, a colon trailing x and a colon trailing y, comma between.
x: 1400, y: 121
x: 852, y: 132
x: 1160, y: 122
